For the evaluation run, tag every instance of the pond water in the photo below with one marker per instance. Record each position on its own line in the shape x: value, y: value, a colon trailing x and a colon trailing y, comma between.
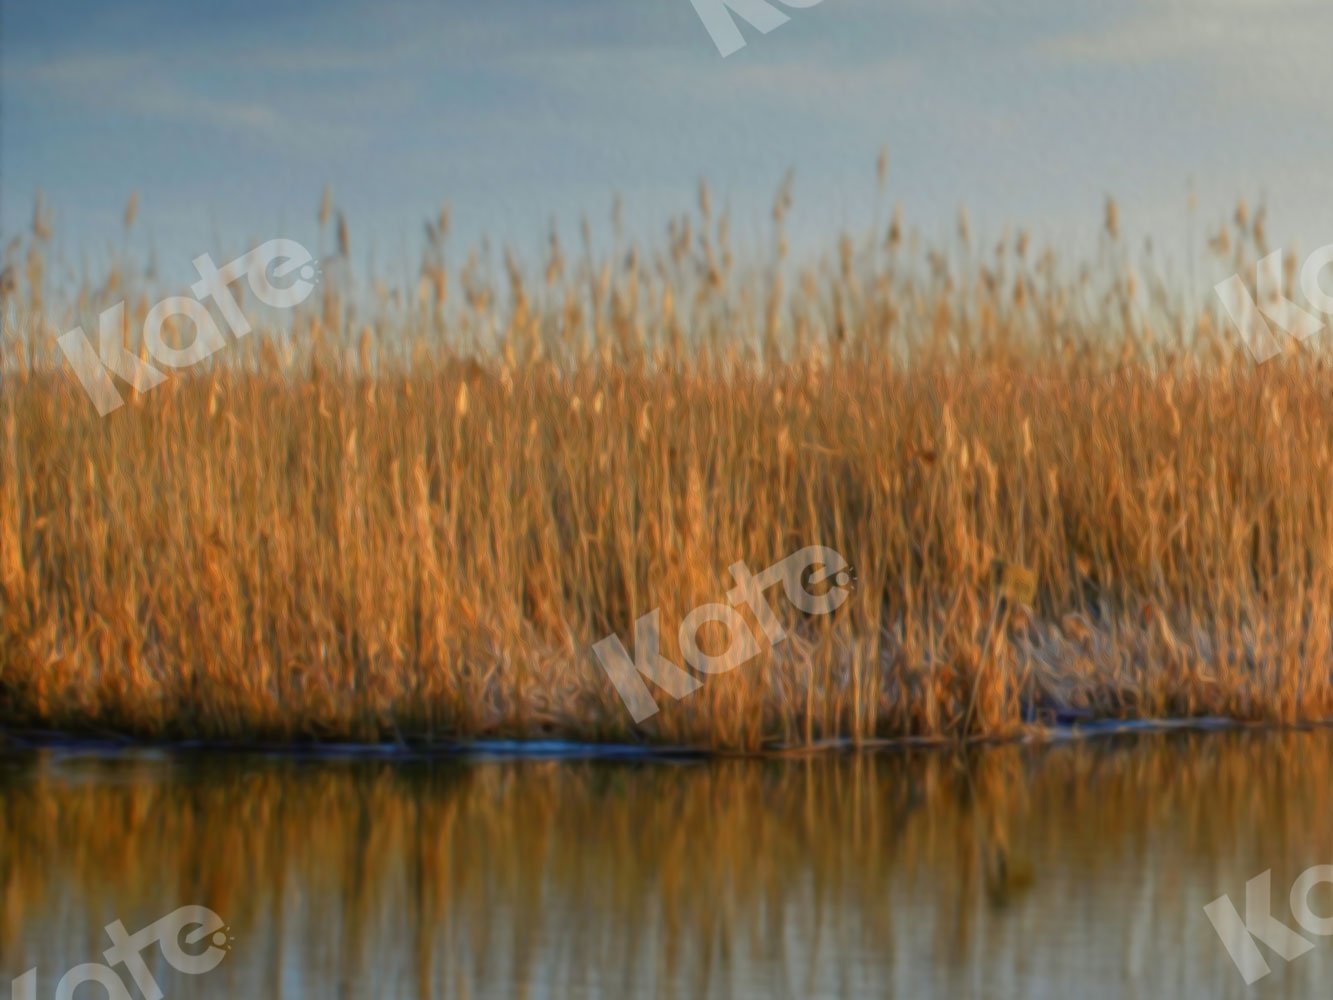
x: 1077, y: 869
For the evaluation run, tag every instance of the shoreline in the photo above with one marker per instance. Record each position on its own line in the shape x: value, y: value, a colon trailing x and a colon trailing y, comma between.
x: 554, y: 749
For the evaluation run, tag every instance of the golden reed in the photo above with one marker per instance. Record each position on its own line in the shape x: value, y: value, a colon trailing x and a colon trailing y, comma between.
x: 410, y: 514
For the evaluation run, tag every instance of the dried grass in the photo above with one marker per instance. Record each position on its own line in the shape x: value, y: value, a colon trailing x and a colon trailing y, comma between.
x: 410, y: 518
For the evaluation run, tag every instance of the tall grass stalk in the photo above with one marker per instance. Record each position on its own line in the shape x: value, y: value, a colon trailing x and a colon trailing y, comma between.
x: 409, y: 514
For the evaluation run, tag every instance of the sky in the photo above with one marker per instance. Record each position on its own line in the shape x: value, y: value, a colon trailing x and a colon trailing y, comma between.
x: 229, y: 118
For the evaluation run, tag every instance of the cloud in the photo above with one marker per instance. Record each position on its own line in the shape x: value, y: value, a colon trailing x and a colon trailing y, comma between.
x: 152, y: 88
x: 1253, y: 34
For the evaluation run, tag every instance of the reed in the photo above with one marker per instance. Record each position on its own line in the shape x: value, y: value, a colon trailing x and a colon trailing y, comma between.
x: 408, y: 514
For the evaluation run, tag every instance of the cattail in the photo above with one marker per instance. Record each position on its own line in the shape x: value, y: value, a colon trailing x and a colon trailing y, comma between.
x: 131, y: 210
x: 1242, y: 215
x: 342, y: 236
x: 1112, y: 219
x: 882, y: 167
x: 326, y: 206
x: 896, y: 228
x: 439, y: 283
x: 964, y: 226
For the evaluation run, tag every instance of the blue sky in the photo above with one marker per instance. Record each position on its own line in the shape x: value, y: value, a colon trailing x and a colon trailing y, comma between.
x: 228, y: 118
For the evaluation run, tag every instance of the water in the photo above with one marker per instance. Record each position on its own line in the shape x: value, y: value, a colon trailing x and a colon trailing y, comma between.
x: 1080, y: 869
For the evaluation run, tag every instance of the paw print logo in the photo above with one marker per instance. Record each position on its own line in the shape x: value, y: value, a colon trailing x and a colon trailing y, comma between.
x: 847, y: 579
x: 222, y: 938
x: 312, y: 273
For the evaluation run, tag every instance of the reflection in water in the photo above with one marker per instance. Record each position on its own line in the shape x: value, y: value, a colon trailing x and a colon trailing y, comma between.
x: 1075, y: 870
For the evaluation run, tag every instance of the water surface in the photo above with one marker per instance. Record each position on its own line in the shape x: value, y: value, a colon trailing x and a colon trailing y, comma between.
x: 1079, y: 869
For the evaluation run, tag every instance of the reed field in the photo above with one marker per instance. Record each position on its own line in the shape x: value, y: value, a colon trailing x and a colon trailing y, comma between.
x: 406, y: 512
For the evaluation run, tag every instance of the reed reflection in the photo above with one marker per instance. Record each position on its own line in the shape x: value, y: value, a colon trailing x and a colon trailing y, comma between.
x: 1073, y: 869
